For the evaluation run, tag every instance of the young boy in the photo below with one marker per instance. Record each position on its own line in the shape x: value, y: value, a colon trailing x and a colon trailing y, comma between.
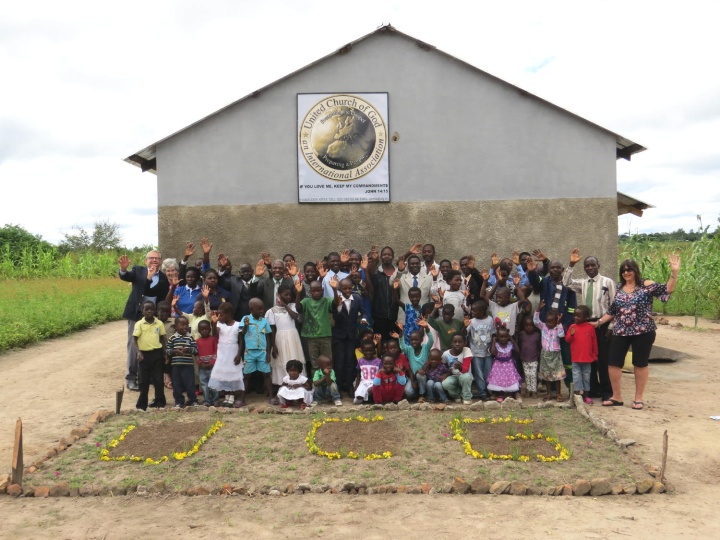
x: 459, y: 359
x: 417, y: 353
x: 447, y: 326
x: 368, y: 367
x: 436, y: 371
x: 479, y: 333
x: 454, y: 296
x: 412, y: 309
x: 163, y: 313
x: 181, y: 351
x: 316, y: 327
x: 324, y: 385
x: 392, y: 348
x: 583, y: 351
x: 149, y: 336
x: 257, y: 344
x: 348, y: 307
x: 389, y: 382
x: 503, y: 311
x: 207, y: 354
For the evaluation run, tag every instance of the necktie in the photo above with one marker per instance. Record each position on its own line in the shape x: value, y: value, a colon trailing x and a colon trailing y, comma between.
x: 415, y: 281
x: 277, y: 285
x: 589, y: 296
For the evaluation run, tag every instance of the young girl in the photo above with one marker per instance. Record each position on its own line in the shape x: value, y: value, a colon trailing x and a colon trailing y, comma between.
x: 227, y: 374
x: 459, y: 359
x: 529, y: 342
x: 454, y: 296
x: 417, y: 353
x: 286, y: 345
x: 436, y: 372
x: 207, y: 346
x: 551, y: 364
x: 389, y: 382
x: 504, y: 377
x: 368, y: 367
x: 392, y: 348
x: 295, y: 387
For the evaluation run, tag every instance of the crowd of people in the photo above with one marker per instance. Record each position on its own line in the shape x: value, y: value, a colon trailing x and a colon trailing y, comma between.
x: 379, y: 328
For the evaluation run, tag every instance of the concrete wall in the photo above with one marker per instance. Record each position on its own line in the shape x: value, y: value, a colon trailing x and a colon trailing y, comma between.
x: 455, y: 228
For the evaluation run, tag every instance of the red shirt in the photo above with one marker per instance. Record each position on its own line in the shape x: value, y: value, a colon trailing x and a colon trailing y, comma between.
x: 403, y: 363
x: 583, y: 344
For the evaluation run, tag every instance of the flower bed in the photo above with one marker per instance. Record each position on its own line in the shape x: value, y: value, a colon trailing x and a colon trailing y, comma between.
x: 351, y: 454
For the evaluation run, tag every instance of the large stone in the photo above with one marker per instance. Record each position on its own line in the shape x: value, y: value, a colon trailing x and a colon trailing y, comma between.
x: 459, y: 486
x: 391, y: 407
x: 600, y: 486
x: 86, y: 491
x: 643, y: 486
x: 404, y: 405
x: 80, y: 432
x: 274, y: 493
x: 303, y: 487
x: 414, y: 490
x: 61, y: 489
x: 439, y: 406
x: 517, y: 488
x: 479, y: 486
x: 42, y: 492
x: 490, y: 405
x: 401, y: 489
x: 425, y: 488
x: 617, y: 489
x: 4, y: 483
x: 157, y: 487
x: 581, y: 487
x: 625, y: 443
x: 477, y: 406
x: 510, y: 404
x: 197, y: 491
x: 500, y: 487
x: 657, y: 487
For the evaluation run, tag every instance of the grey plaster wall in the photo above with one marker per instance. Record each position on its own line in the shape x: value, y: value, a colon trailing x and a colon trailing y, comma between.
x: 464, y: 136
x: 455, y: 228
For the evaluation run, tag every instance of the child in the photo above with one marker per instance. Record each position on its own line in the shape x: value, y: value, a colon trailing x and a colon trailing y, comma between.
x: 257, y: 344
x: 316, y: 327
x: 286, y: 345
x: 392, y: 348
x: 551, y: 362
x: 504, y: 376
x: 448, y: 325
x: 454, y: 296
x: 389, y: 382
x: 149, y: 336
x: 163, y: 313
x: 417, y: 354
x: 227, y: 373
x: 429, y: 310
x: 368, y: 367
x: 295, y: 388
x: 583, y: 351
x: 207, y: 347
x: 181, y: 351
x: 436, y: 371
x: 412, y: 310
x: 480, y: 331
x: 529, y: 343
x: 348, y: 307
x: 503, y: 311
x: 324, y: 383
x: 458, y: 359
x: 364, y: 334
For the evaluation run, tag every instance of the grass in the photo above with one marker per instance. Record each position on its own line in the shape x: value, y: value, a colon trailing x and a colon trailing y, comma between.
x: 263, y: 451
x: 38, y: 309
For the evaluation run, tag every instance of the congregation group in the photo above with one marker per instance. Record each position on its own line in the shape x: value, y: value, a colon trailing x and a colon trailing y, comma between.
x: 379, y: 328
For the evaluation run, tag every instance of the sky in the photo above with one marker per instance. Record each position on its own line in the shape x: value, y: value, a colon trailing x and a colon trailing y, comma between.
x: 86, y: 84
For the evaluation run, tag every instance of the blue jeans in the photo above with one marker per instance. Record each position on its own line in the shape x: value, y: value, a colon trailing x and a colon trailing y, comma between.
x: 481, y: 366
x: 581, y: 376
x: 210, y: 396
x: 321, y: 393
x: 434, y: 391
x: 410, y: 392
x: 420, y: 379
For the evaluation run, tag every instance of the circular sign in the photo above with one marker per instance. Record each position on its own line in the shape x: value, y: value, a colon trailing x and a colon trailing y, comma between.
x: 343, y: 137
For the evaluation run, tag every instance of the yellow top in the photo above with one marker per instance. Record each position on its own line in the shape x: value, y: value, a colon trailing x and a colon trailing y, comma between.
x: 148, y: 334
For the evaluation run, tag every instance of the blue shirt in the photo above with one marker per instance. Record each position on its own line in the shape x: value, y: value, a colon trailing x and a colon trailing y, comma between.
x: 256, y: 333
x: 186, y: 298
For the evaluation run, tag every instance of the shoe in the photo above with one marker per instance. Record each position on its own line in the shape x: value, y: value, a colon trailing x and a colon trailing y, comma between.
x: 457, y: 400
x: 338, y: 402
x: 588, y: 400
x: 638, y: 405
x: 284, y: 406
x: 303, y: 406
x: 421, y: 399
x: 467, y: 402
x: 357, y: 401
x: 207, y: 403
x: 178, y: 406
x: 133, y: 386
x: 229, y: 400
x: 239, y: 404
x: 155, y: 405
x: 612, y: 403
x: 193, y: 404
x: 312, y: 404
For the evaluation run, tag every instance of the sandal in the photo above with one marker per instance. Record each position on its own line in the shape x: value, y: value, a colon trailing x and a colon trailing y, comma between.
x: 612, y: 403
x: 640, y: 403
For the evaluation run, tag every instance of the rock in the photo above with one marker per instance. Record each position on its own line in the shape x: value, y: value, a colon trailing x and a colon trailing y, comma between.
x: 459, y: 486
x: 477, y: 406
x: 362, y: 491
x: 643, y: 486
x: 510, y: 404
x: 381, y: 490
x: 212, y: 408
x: 581, y: 488
x: 676, y: 325
x: 42, y: 491
x: 490, y: 405
x: 51, y: 453
x: 549, y: 491
x: 290, y: 488
x: 611, y: 434
x: 117, y: 491
x: 415, y: 406
x: 439, y: 406
x: 4, y: 482
x: 347, y: 486
x: 303, y: 487
x: 240, y: 490
x: 401, y: 489
x: 531, y: 490
x: 479, y: 486
x: 425, y: 407
x: 657, y: 487
x: 80, y: 432
x: 197, y: 491
x: 157, y: 487
x: 562, y: 405
x: 61, y: 489
x: 353, y: 492
x: 625, y: 443
x: 274, y: 493
x: 376, y: 407
x: 500, y: 487
x: 433, y: 491
x: 104, y: 415
x: 86, y: 491
x: 74, y: 492
x: 392, y: 488
x: 415, y: 490
x: 391, y: 407
x: 617, y: 489
x: 403, y: 405
x: 517, y: 488
x: 567, y: 490
x: 600, y: 486
x: 662, y: 320
x: 425, y: 488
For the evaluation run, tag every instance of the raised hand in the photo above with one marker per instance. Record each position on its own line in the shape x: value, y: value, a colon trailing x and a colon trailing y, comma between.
x: 174, y: 281
x: 396, y: 283
x: 674, y: 261
x: 485, y: 274
x: 466, y: 321
x: 298, y: 286
x: 572, y: 330
x: 494, y: 261
x: 499, y: 276
x: 364, y: 262
x: 434, y: 271
x: 516, y: 280
x: 400, y: 325
x: 260, y: 268
x: 401, y: 264
x: 334, y: 282
x: 435, y: 298
x: 374, y: 253
x: 266, y: 258
x: 291, y: 268
x: 205, y: 291
x: 344, y: 256
x: 574, y: 256
x: 152, y: 270
x: 214, y: 317
x: 530, y: 264
x: 516, y: 257
x: 377, y: 338
x: 322, y: 271
x: 540, y: 306
x: 394, y: 335
x: 466, y: 292
x: 539, y: 256
x: 206, y: 245
x: 415, y: 248
x: 124, y: 262
x: 422, y: 322
x: 175, y: 301
x: 441, y: 294
x: 455, y: 265
x: 223, y: 261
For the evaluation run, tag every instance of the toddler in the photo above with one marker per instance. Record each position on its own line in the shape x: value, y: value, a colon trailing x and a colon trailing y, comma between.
x: 551, y: 362
x: 447, y: 326
x: 504, y: 377
x: 389, y: 382
x: 504, y: 311
x: 583, y: 351
x: 324, y: 383
x: 295, y: 388
x: 368, y: 367
x: 207, y: 347
x: 454, y: 296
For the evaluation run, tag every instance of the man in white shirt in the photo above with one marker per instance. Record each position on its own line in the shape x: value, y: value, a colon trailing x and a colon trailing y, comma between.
x: 413, y: 278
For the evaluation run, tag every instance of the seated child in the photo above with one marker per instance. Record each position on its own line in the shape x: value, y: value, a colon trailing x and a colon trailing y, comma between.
x: 389, y: 382
x: 417, y: 353
x: 295, y: 388
x: 258, y: 341
x: 504, y: 377
x: 458, y: 359
x: 325, y: 386
x: 181, y: 351
x: 368, y: 366
x: 583, y: 351
x: 207, y: 346
x: 436, y: 371
x: 401, y: 361
x: 530, y: 347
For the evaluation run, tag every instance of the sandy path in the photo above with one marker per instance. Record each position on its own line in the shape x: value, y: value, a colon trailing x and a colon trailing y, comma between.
x: 56, y: 385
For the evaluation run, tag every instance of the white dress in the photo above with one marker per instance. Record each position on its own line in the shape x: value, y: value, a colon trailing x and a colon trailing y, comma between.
x: 225, y: 374
x: 290, y: 394
x: 287, y: 341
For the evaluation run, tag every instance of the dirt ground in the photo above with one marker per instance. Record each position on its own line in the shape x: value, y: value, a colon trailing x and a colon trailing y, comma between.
x: 55, y: 386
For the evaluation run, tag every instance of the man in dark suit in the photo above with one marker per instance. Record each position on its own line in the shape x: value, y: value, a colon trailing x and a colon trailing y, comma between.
x: 348, y: 311
x: 148, y: 283
x: 239, y: 286
x: 266, y: 288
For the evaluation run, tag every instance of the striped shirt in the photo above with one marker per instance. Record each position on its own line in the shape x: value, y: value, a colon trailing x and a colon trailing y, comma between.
x: 603, y: 292
x: 175, y: 346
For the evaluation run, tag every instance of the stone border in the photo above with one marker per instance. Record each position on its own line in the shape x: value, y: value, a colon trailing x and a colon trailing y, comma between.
x: 595, y: 487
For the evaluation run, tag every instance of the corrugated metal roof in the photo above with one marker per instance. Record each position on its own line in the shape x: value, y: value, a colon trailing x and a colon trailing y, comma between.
x: 146, y: 158
x: 629, y: 205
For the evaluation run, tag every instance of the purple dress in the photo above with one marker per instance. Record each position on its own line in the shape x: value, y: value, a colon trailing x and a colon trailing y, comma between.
x: 504, y: 376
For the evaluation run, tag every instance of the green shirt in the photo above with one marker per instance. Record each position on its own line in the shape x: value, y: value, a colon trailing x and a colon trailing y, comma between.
x: 320, y: 375
x: 446, y: 331
x: 316, y: 317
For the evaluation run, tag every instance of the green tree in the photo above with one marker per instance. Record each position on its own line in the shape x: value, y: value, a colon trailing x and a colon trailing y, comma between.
x: 105, y: 235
